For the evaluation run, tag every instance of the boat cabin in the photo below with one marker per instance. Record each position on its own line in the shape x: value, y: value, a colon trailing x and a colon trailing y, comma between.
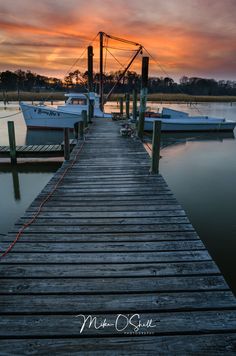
x: 82, y: 99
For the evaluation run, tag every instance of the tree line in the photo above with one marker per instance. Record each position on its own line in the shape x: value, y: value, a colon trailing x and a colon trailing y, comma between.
x: 28, y: 81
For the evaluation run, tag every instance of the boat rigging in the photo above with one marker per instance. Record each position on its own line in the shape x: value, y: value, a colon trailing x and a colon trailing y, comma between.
x: 138, y: 51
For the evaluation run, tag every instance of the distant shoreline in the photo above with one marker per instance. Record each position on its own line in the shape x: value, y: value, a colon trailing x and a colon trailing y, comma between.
x: 158, y: 97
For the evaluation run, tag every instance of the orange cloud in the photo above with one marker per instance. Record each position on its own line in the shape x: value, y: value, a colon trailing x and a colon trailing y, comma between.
x: 187, y: 38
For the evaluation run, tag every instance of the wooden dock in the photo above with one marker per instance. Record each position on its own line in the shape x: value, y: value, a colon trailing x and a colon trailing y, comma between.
x: 36, y: 151
x: 112, y: 242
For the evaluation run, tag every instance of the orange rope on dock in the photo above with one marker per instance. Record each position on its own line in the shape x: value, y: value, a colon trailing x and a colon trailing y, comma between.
x: 42, y: 204
x: 149, y: 146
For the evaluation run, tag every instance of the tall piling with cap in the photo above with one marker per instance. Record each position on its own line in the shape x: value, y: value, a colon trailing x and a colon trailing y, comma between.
x: 90, y: 83
x: 143, y: 96
x: 101, y: 34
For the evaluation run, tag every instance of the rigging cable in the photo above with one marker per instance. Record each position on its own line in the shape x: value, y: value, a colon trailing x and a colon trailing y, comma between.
x: 115, y: 58
x: 163, y: 70
x: 82, y: 54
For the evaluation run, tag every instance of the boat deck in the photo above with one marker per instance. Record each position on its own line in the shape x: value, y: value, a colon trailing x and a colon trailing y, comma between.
x: 111, y: 240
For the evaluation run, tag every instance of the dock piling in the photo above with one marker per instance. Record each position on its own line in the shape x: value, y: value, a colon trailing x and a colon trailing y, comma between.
x: 90, y: 82
x: 12, y: 141
x: 127, y: 100
x: 81, y: 129
x: 66, y: 144
x: 156, y: 145
x: 143, y: 96
x: 134, y: 112
x: 121, y: 105
x: 84, y: 118
x: 90, y: 112
x: 76, y: 130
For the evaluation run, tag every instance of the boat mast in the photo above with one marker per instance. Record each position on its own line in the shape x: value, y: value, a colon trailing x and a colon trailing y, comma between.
x: 101, y: 70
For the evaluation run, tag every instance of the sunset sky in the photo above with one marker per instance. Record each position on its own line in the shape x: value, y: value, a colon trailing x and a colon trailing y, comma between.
x: 187, y: 37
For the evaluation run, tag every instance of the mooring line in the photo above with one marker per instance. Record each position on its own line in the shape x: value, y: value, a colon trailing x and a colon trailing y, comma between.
x: 20, y: 232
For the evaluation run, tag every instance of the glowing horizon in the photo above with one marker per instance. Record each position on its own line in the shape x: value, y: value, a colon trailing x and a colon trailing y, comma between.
x: 192, y: 37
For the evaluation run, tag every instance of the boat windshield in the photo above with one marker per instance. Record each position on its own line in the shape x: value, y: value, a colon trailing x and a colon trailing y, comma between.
x: 77, y: 101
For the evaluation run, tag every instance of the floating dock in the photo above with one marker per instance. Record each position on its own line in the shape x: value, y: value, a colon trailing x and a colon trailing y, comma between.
x: 112, y: 242
x: 36, y: 151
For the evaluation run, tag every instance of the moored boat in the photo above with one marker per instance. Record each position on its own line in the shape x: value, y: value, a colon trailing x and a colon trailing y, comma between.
x: 174, y: 120
x: 43, y: 116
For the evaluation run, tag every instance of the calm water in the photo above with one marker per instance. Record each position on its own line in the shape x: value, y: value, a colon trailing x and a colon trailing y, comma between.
x: 200, y: 169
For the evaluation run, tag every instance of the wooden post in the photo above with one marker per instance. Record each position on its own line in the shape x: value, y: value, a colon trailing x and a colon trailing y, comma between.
x: 84, y: 118
x: 76, y: 130
x: 81, y: 129
x: 156, y: 145
x: 134, y: 113
x: 101, y: 71
x: 143, y: 96
x: 12, y: 141
x: 90, y: 111
x: 90, y: 82
x: 127, y: 97
x: 121, y: 105
x: 141, y: 121
x: 66, y: 144
x: 90, y: 68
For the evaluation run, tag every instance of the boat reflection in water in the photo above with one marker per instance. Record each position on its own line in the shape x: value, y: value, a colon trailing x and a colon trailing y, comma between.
x: 45, y: 137
x: 169, y: 139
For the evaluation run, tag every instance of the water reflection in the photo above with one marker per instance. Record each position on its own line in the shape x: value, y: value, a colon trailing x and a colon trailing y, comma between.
x: 174, y: 139
x: 16, y: 184
x: 45, y: 137
x: 40, y: 137
x: 169, y: 139
x: 19, y: 187
x: 26, y: 168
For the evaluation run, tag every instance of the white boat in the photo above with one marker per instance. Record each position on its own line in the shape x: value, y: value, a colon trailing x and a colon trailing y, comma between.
x: 43, y: 116
x: 174, y: 120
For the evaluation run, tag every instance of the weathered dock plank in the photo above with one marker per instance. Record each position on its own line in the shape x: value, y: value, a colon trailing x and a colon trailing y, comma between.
x: 113, y: 243
x: 213, y: 344
x: 36, y: 151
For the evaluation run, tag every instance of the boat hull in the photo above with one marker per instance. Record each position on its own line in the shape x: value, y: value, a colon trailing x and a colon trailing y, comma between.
x: 170, y: 125
x: 42, y: 116
x: 46, y: 117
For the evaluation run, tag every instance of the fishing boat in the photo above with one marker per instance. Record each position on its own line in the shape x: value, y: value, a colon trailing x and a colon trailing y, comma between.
x: 174, y: 120
x: 43, y: 116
